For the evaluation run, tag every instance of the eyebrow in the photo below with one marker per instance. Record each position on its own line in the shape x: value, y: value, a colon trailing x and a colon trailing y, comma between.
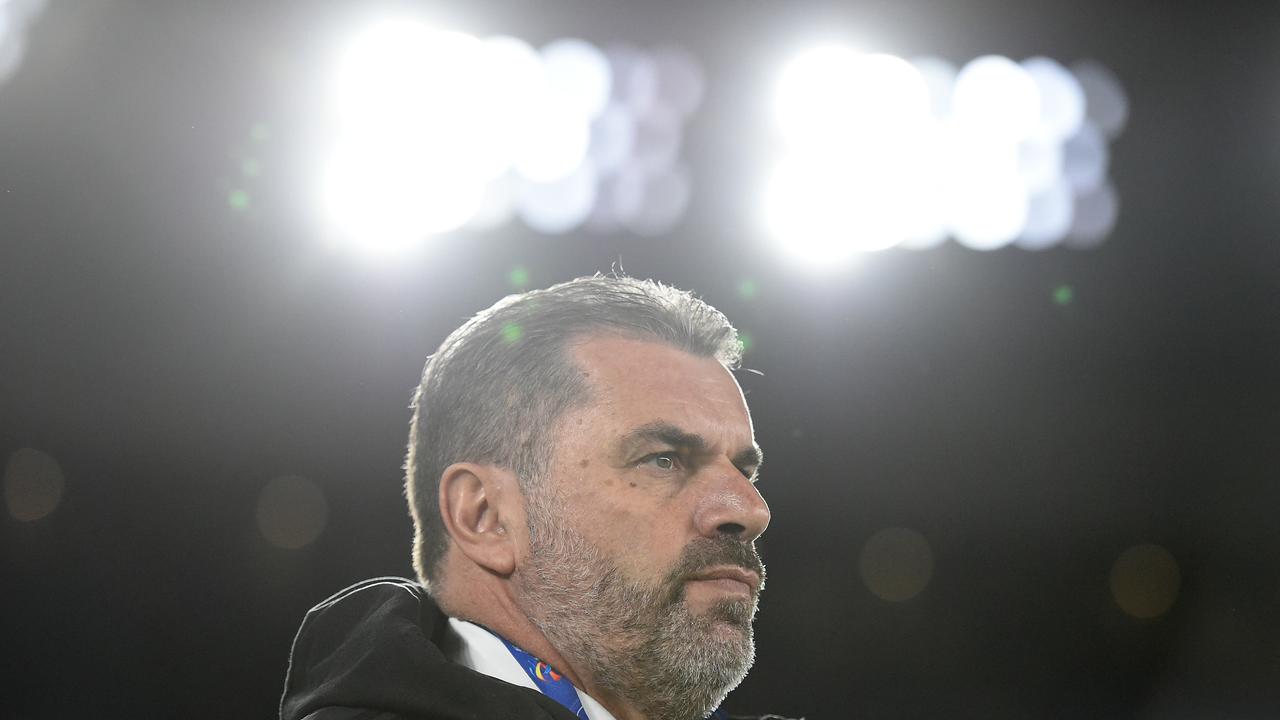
x: 664, y: 432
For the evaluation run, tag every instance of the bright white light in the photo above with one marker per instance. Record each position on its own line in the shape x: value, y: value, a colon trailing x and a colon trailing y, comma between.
x: 402, y: 74
x: 996, y: 96
x: 1061, y: 97
x: 415, y: 133
x: 879, y: 152
x: 987, y: 204
x: 431, y: 129
x: 940, y: 79
x: 1049, y: 217
x: 807, y: 211
x: 511, y: 83
x: 825, y: 212
x: 557, y: 207
x: 513, y: 72
x: 555, y: 144
x: 578, y: 76
x: 924, y: 182
x: 837, y: 99
x: 498, y: 204
x: 812, y: 100
x: 382, y: 197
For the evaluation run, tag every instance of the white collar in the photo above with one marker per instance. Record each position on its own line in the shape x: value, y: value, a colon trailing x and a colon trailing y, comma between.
x: 483, y: 652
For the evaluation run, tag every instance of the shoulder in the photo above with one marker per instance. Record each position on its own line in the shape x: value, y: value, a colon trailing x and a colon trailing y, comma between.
x: 373, y: 590
x: 372, y: 652
x: 378, y: 604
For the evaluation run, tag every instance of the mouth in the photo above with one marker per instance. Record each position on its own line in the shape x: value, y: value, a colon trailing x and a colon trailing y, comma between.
x: 729, y: 579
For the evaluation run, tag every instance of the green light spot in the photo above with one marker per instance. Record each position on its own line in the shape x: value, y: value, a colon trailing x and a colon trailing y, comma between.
x: 744, y: 341
x: 238, y: 200
x: 519, y: 278
x: 260, y: 132
x: 747, y: 289
x: 1063, y: 295
x: 251, y: 167
x: 511, y: 333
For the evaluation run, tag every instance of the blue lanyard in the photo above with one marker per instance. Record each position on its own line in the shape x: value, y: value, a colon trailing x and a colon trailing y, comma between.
x: 556, y: 686
x: 551, y: 683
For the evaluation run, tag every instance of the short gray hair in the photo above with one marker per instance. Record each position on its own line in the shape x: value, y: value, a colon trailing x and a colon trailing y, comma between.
x: 497, y: 386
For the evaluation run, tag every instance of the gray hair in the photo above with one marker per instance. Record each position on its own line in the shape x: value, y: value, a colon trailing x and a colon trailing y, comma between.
x: 495, y: 389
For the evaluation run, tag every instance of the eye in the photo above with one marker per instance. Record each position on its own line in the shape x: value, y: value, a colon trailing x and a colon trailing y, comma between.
x: 662, y: 460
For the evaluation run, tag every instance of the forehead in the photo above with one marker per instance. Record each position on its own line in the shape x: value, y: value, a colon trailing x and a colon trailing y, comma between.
x: 636, y: 381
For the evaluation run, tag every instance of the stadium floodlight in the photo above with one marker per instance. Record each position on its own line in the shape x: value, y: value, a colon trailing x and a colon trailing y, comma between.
x: 432, y: 131
x: 880, y: 152
x: 410, y: 154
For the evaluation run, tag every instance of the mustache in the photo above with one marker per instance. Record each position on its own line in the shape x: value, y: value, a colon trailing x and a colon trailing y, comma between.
x: 705, y: 553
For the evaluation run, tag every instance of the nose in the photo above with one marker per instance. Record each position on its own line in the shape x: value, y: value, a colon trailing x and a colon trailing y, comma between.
x: 731, y: 506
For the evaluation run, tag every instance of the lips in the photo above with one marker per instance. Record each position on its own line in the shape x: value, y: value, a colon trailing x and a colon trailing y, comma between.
x: 742, y: 575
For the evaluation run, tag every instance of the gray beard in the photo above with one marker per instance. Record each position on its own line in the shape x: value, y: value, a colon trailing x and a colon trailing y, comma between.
x: 637, y: 641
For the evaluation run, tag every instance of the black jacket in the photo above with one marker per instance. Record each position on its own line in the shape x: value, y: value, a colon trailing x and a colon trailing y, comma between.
x: 372, y: 652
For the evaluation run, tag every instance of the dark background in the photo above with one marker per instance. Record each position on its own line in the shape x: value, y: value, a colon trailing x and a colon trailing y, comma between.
x: 174, y: 355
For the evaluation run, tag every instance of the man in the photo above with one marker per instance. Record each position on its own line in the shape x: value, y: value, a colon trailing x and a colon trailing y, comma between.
x: 580, y: 473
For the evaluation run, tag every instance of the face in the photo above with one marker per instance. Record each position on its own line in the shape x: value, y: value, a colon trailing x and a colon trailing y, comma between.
x: 641, y: 564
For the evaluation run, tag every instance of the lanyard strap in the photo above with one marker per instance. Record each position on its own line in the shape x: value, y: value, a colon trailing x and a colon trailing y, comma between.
x: 551, y: 683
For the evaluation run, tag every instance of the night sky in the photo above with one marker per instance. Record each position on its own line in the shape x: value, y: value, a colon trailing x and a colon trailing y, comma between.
x: 1030, y: 416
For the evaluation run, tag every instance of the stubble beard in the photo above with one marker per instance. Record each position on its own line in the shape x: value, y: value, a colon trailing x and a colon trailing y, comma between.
x: 640, y: 642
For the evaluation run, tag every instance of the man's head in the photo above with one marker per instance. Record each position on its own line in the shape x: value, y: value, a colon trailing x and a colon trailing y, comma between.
x: 610, y: 402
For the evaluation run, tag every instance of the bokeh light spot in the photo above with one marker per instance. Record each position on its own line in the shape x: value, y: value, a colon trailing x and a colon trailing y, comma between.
x: 745, y: 341
x: 1063, y: 294
x: 578, y: 75
x: 260, y: 132
x: 251, y: 167
x: 748, y: 289
x: 896, y: 564
x: 292, y: 512
x: 511, y: 333
x: 497, y: 205
x: 519, y: 278
x: 1145, y: 580
x: 1050, y: 214
x: 558, y: 206
x: 33, y: 484
x: 1095, y: 217
x: 650, y: 202
x: 1062, y: 102
x: 681, y: 81
x: 995, y: 95
x: 940, y: 78
x: 238, y: 200
x: 1085, y: 158
x: 1106, y: 102
x: 879, y: 152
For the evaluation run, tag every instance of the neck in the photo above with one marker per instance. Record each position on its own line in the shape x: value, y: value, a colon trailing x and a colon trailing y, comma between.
x: 497, y: 611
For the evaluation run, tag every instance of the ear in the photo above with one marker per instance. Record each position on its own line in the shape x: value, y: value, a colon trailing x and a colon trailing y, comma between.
x: 480, y: 505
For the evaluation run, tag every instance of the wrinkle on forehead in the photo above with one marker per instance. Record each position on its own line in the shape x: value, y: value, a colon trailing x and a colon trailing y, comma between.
x: 646, y: 380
